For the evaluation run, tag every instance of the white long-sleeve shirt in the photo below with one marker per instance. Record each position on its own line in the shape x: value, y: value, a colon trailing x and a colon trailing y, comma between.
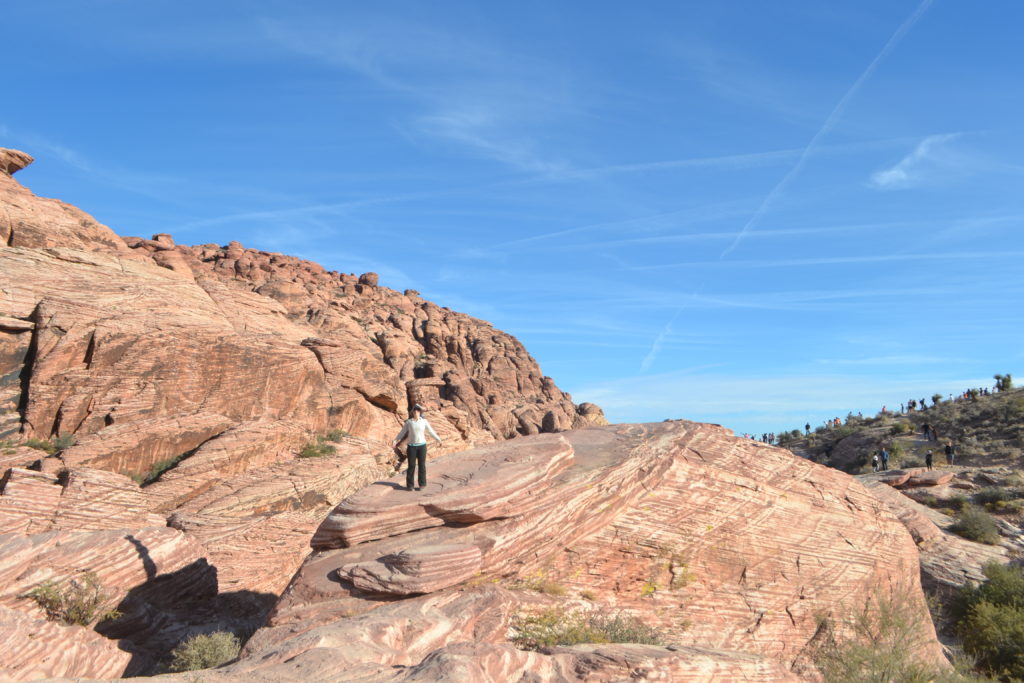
x: 417, y: 431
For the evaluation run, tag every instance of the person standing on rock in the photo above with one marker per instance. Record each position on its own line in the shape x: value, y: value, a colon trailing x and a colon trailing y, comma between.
x: 950, y: 453
x: 416, y: 429
x: 874, y: 462
x: 885, y: 459
x: 928, y: 459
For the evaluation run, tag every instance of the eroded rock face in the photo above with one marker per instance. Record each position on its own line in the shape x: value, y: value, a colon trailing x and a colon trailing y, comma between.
x: 147, y: 350
x: 202, y: 372
x: 733, y: 549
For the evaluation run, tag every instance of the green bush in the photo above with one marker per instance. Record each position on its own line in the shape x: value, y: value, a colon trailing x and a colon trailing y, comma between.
x: 555, y: 627
x: 879, y: 643
x: 976, y: 525
x: 317, y: 449
x: 76, y: 603
x: 64, y: 441
x: 205, y: 651
x: 1006, y: 507
x: 158, y: 468
x: 41, y: 445
x: 901, y: 427
x: 994, y: 494
x: 957, y: 502
x: 991, y: 621
x: 336, y: 435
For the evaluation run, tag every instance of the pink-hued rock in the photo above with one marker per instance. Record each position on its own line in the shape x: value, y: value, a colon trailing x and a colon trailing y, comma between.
x: 489, y: 482
x: 38, y: 223
x: 34, y: 648
x: 424, y: 569
x: 250, y: 446
x: 610, y: 662
x: 120, y: 558
x: 12, y: 161
x: 723, y: 544
x: 28, y: 501
x: 140, y: 345
x: 257, y: 525
x: 80, y: 499
x: 929, y: 478
x: 93, y: 500
x: 897, y: 477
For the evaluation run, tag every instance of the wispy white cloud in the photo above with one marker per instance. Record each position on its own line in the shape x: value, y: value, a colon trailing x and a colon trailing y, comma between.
x: 484, y: 100
x: 914, y: 168
x: 827, y: 126
x: 836, y: 260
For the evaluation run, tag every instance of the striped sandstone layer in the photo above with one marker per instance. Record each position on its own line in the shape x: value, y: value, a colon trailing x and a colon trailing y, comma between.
x: 735, y: 550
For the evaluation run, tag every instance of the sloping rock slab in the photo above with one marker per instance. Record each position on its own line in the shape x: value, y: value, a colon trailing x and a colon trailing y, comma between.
x: 35, y: 648
x: 419, y: 570
x: 897, y: 477
x: 929, y: 478
x: 947, y: 560
x: 490, y: 482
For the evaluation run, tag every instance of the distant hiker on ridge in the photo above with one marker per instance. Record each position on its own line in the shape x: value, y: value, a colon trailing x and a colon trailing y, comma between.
x: 416, y: 428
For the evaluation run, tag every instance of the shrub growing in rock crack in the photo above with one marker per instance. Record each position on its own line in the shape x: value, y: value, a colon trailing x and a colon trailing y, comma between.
x: 976, y: 525
x: 554, y: 627
x: 205, y: 651
x: 76, y: 603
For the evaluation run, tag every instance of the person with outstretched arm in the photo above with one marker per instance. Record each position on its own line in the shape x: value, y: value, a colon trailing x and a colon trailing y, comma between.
x: 416, y: 429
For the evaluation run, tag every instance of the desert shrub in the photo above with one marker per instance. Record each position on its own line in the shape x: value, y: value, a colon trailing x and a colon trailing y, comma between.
x: 936, y: 399
x: 158, y: 468
x: 901, y: 427
x: 1006, y: 507
x: 317, y: 449
x: 991, y: 621
x: 957, y: 502
x: 335, y: 435
x: 205, y: 651
x: 994, y: 494
x: 555, y: 627
x: 76, y: 603
x: 64, y: 441
x: 877, y: 643
x: 40, y: 445
x: 539, y: 584
x: 976, y: 525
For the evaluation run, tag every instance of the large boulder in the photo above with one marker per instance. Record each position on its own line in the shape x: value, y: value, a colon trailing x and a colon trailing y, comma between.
x: 734, y: 550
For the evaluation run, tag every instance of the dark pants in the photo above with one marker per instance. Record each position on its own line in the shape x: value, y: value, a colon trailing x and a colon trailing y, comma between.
x: 416, y: 455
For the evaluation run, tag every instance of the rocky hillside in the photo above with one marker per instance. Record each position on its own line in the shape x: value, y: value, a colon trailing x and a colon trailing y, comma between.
x: 105, y: 337
x: 155, y: 402
x: 986, y: 430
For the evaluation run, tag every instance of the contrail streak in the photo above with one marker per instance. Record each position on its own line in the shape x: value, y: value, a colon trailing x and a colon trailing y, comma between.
x: 827, y: 126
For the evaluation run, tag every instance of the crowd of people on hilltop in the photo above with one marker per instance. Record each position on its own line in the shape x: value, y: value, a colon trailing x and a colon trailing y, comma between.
x: 770, y: 438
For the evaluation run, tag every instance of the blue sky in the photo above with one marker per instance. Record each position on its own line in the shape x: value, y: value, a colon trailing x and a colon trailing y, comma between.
x: 750, y: 213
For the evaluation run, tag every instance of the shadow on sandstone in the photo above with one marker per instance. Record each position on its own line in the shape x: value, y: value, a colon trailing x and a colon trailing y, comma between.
x: 168, y: 609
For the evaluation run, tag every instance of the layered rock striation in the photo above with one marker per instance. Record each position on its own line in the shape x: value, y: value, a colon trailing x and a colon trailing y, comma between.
x: 735, y: 551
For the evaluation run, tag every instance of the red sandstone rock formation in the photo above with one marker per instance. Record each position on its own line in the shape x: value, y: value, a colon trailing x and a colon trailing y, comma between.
x: 202, y: 371
x: 734, y: 549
